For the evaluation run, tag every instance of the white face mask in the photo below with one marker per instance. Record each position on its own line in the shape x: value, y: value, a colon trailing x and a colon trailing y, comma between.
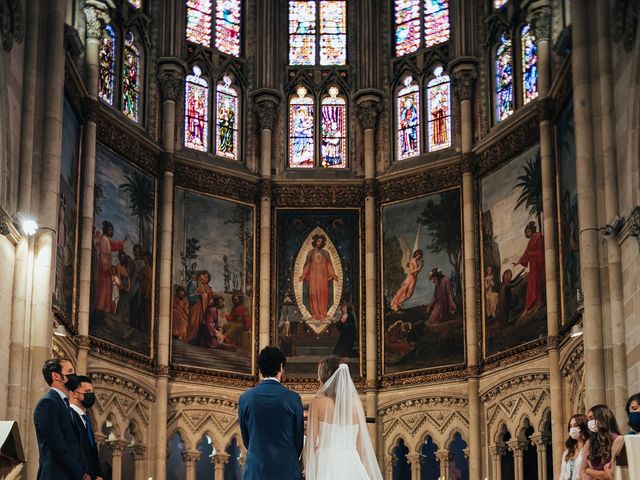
x: 575, y: 432
x: 592, y: 426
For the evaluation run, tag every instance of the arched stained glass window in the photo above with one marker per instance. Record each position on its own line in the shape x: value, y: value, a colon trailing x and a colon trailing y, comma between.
x: 196, y: 107
x: 227, y: 119
x: 228, y: 26
x: 317, y: 32
x: 131, y: 79
x: 301, y: 123
x: 199, y: 22
x: 504, y: 78
x: 334, y: 130
x: 436, y: 22
x: 407, y: 26
x: 408, y: 114
x: 529, y: 64
x: 439, y: 110
x: 107, y: 65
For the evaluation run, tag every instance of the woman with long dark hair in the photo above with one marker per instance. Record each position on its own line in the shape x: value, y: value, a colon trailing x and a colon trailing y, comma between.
x: 603, y: 444
x: 573, y: 455
x: 633, y: 412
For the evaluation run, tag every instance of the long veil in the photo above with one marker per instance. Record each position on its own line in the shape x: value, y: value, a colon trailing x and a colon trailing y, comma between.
x: 336, y: 410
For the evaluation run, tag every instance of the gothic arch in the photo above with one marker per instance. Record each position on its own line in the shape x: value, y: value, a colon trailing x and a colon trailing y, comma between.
x: 186, y: 439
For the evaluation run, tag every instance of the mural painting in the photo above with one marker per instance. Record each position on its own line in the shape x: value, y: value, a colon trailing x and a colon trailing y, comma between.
x: 422, y: 283
x: 67, y: 232
x: 318, y: 288
x: 123, y: 270
x: 568, y: 212
x: 513, y: 275
x: 213, y: 283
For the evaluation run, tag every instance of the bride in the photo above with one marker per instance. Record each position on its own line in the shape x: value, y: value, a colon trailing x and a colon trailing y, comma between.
x: 338, y: 445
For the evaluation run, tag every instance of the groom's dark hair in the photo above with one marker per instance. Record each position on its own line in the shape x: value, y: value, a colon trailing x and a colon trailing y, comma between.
x: 270, y: 360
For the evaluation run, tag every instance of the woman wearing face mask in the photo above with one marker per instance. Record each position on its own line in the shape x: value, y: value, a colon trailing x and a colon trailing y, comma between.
x: 573, y: 455
x: 633, y: 411
x: 604, y: 442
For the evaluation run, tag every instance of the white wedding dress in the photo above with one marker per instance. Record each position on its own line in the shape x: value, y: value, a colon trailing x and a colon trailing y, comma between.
x: 338, y: 444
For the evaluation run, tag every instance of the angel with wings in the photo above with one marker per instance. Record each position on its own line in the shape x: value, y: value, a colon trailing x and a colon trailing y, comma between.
x: 412, y: 264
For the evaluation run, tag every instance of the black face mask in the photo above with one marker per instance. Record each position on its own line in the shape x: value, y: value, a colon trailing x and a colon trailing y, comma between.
x: 72, y: 382
x: 89, y: 400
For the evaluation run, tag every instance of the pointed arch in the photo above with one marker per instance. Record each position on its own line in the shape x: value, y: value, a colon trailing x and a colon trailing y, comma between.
x: 196, y: 110
x: 439, y: 110
x: 504, y: 102
x: 301, y: 129
x: 228, y: 116
x: 408, y: 119
x: 334, y: 129
x: 107, y: 64
x: 131, y: 78
x: 529, y: 59
x: 317, y: 32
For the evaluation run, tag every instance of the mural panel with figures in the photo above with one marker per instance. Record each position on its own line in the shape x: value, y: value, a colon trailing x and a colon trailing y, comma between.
x: 513, y: 254
x: 318, y: 288
x: 568, y: 213
x: 213, y: 283
x: 422, y: 283
x: 66, y: 250
x: 122, y: 279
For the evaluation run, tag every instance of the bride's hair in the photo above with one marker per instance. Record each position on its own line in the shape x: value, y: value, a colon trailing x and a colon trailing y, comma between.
x: 328, y: 367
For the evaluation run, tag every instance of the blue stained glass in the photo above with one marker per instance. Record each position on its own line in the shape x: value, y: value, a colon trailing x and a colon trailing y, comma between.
x: 504, y: 78
x: 529, y: 64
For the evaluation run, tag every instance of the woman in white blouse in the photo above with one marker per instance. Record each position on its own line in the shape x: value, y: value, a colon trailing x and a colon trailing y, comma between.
x: 572, y: 456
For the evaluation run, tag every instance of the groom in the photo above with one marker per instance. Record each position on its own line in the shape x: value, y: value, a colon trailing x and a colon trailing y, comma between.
x: 271, y: 422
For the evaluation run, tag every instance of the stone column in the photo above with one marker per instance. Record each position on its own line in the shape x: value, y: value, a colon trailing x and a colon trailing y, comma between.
x: 190, y: 461
x: 389, y: 460
x: 116, y: 458
x: 465, y: 74
x: 415, y: 460
x: 612, y: 208
x: 540, y: 441
x: 518, y: 465
x: 443, y: 457
x: 540, y: 13
x: 219, y: 461
x: 170, y: 78
x: 496, y: 461
x: 266, y: 104
x: 138, y: 453
x: 96, y: 17
x: 595, y: 391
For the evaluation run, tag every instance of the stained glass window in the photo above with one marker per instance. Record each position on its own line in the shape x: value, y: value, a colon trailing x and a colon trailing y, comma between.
x: 439, y: 111
x: 199, y: 22
x: 334, y: 130
x: 504, y: 78
x: 407, y: 26
x: 196, y: 107
x: 301, y: 119
x: 135, y: 3
x: 529, y: 64
x: 333, y: 33
x: 131, y: 79
x: 408, y: 114
x: 228, y: 26
x: 107, y: 64
x: 302, y: 33
x: 499, y: 3
x: 436, y: 22
x: 226, y: 119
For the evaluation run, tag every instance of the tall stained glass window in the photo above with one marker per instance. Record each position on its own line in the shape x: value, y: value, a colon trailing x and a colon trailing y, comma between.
x: 199, y: 22
x: 317, y: 32
x: 226, y: 119
x: 196, y: 107
x: 407, y: 26
x: 131, y: 79
x: 504, y: 78
x: 301, y: 122
x: 436, y: 22
x: 107, y: 64
x: 408, y: 114
x: 228, y: 26
x: 529, y: 64
x: 439, y: 110
x: 334, y: 130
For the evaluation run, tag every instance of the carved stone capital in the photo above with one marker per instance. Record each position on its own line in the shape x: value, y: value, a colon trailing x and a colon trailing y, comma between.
x: 634, y: 223
x: 627, y: 13
x: 5, y: 223
x: 170, y: 77
x: 220, y: 458
x: 190, y: 457
x: 469, y: 163
x: 138, y: 452
x: 266, y: 111
x: 368, y: 114
x: 370, y: 187
x: 266, y: 188
x: 464, y: 72
x: 167, y: 162
x: 116, y: 446
x: 90, y: 109
x: 83, y: 341
x: 540, y: 19
x: 162, y: 370
x: 11, y: 23
x: 546, y: 108
x: 414, y: 458
x: 96, y: 15
x: 443, y: 456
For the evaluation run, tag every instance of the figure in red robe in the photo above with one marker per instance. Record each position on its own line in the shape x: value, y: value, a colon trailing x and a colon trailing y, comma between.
x: 317, y: 275
x: 180, y: 317
x: 405, y: 292
x: 104, y: 247
x: 533, y: 258
x: 442, y: 306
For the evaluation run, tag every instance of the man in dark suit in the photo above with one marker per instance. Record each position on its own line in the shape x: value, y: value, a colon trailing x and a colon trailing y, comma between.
x: 81, y: 399
x: 271, y: 422
x: 61, y: 455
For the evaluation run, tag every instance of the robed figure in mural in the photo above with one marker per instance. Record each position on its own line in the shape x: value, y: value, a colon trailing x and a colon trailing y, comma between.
x: 533, y: 258
x: 318, y: 276
x: 105, y: 246
x: 442, y: 305
x: 405, y: 292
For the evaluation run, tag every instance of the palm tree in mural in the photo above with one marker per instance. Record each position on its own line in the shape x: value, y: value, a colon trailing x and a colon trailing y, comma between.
x: 139, y: 189
x: 531, y: 184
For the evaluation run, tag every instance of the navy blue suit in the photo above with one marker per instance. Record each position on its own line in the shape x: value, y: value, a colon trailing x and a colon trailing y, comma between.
x: 61, y: 455
x: 272, y: 426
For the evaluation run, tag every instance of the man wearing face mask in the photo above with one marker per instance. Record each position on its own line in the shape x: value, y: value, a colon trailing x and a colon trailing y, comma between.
x: 81, y: 399
x: 61, y: 455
